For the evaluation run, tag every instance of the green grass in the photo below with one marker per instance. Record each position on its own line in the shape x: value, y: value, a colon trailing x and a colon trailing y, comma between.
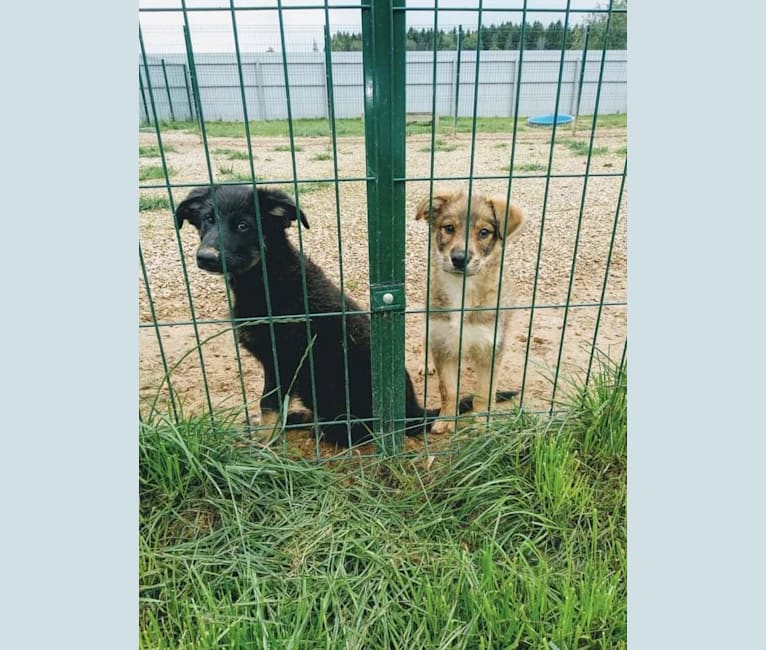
x: 153, y: 151
x: 308, y: 128
x: 613, y: 120
x: 231, y: 154
x: 516, y: 541
x: 465, y: 125
x: 228, y: 173
x: 153, y: 172
x: 287, y: 147
x: 324, y: 155
x: 580, y: 148
x: 527, y: 167
x: 440, y: 145
x: 311, y: 128
x: 152, y: 202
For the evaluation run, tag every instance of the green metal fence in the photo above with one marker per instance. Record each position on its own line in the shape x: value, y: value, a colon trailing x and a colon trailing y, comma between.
x: 570, y: 179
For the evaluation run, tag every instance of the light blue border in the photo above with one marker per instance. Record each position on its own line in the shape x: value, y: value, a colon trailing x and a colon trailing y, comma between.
x: 696, y: 355
x: 70, y: 344
x: 696, y: 280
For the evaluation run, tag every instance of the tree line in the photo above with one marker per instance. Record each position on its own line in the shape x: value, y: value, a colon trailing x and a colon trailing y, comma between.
x: 508, y: 36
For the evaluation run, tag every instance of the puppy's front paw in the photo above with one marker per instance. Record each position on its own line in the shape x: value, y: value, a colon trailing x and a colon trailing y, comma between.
x: 443, y: 426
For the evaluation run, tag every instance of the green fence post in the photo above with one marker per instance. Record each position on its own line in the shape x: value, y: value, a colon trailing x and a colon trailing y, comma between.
x: 291, y: 135
x: 543, y: 213
x: 580, y: 216
x: 160, y: 346
x: 607, y: 267
x: 167, y: 88
x: 187, y: 284
x: 188, y: 93
x: 426, y: 344
x: 582, y: 77
x: 211, y: 181
x: 457, y: 76
x: 328, y: 76
x: 471, y: 168
x: 143, y: 96
x: 256, y: 206
x: 193, y: 75
x: 334, y: 142
x: 383, y: 57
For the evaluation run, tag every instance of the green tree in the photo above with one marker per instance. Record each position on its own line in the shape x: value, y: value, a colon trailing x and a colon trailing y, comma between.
x: 507, y: 35
x: 345, y: 42
x: 448, y: 40
x: 469, y: 39
x: 513, y: 38
x: 534, y: 37
x: 575, y: 37
x: 617, y: 38
x: 554, y: 36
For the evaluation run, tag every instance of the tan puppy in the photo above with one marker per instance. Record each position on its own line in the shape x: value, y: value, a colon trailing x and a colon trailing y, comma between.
x: 491, y: 221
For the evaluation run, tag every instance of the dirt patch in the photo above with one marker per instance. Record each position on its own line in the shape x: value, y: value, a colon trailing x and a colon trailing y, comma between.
x: 540, y: 274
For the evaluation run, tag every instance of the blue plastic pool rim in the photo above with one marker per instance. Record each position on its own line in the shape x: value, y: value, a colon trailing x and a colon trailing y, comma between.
x: 548, y: 120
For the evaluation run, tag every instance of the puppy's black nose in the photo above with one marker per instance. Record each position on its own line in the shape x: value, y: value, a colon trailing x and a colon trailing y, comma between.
x: 458, y: 260
x: 209, y: 259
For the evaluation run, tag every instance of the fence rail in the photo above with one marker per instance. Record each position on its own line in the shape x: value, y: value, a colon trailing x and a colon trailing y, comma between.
x: 498, y: 85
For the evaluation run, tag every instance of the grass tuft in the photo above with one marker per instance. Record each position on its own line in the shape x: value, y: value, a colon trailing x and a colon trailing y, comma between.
x: 231, y: 154
x: 580, y: 148
x: 153, y: 151
x: 516, y: 541
x: 527, y: 167
x: 153, y: 172
x: 440, y: 145
x: 148, y: 202
x: 229, y: 173
x: 287, y: 147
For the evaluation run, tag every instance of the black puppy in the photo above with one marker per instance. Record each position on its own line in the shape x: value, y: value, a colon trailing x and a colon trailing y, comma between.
x: 236, y: 238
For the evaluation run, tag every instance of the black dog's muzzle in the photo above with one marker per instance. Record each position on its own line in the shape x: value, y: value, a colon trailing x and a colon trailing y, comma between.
x: 209, y: 259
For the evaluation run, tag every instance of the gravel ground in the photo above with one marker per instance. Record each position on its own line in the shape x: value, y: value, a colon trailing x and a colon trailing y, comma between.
x: 559, y: 225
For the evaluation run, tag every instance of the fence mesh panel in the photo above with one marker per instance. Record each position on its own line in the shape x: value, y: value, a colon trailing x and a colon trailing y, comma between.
x: 360, y: 113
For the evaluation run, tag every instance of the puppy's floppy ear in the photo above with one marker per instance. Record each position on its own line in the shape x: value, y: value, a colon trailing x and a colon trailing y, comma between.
x: 277, y: 204
x: 510, y: 217
x: 191, y: 207
x: 441, y: 197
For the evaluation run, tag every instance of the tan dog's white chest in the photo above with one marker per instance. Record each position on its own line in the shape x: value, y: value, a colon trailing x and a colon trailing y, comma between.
x: 445, y: 331
x: 475, y: 336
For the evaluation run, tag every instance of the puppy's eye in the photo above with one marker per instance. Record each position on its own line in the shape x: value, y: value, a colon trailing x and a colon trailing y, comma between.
x: 484, y: 233
x: 243, y: 226
x: 449, y: 229
x: 210, y: 219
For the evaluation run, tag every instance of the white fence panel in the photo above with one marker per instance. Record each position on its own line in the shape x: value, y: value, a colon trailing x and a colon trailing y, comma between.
x: 498, y: 83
